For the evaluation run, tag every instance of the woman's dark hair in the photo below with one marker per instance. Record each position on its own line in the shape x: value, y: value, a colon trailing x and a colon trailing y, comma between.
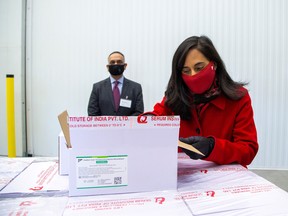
x: 178, y: 96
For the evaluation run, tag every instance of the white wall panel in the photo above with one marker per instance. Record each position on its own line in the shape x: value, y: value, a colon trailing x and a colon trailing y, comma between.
x: 70, y: 41
x: 11, y: 62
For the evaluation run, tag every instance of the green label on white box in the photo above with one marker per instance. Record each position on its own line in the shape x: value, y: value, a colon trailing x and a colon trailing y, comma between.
x: 101, y: 171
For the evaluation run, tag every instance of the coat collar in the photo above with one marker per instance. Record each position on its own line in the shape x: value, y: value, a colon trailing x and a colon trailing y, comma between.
x: 219, y: 102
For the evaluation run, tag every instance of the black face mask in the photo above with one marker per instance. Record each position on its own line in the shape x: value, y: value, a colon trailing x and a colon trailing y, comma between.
x: 116, y: 69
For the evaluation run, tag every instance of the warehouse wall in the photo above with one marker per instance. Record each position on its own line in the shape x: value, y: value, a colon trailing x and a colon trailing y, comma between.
x: 12, y: 40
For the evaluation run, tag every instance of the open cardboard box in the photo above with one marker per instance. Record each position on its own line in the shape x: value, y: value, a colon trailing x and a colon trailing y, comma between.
x: 119, y: 154
x: 64, y: 144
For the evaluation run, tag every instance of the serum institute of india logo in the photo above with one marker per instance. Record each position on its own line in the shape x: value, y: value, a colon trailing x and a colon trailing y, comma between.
x: 142, y: 119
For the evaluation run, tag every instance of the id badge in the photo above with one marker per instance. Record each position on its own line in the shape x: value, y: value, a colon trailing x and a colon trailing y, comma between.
x: 125, y: 103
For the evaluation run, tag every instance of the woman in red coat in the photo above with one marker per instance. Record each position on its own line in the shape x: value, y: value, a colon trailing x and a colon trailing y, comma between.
x: 216, y: 112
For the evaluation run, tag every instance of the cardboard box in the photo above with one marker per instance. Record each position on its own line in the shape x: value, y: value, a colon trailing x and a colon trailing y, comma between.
x: 64, y: 144
x: 120, y: 154
x: 63, y: 155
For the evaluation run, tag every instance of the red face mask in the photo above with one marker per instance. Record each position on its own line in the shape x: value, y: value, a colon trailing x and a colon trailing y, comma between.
x: 202, y: 81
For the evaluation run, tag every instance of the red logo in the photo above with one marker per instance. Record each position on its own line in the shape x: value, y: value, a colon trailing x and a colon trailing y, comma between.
x: 159, y: 200
x: 27, y: 203
x: 36, y: 188
x: 210, y: 193
x: 142, y: 119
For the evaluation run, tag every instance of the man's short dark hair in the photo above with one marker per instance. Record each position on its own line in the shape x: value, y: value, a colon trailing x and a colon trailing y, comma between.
x: 118, y: 53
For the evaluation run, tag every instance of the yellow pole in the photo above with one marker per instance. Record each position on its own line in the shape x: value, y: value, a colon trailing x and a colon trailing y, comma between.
x: 10, y: 115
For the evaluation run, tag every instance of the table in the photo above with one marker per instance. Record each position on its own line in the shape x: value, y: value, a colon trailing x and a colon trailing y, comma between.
x: 32, y: 186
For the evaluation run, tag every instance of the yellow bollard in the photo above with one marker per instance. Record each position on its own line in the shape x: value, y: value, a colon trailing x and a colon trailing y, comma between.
x: 10, y: 115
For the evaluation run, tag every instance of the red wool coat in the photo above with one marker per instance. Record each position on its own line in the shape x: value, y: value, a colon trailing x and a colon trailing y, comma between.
x: 229, y: 122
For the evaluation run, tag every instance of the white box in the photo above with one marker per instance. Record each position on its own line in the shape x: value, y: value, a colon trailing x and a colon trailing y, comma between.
x: 63, y: 155
x: 120, y: 154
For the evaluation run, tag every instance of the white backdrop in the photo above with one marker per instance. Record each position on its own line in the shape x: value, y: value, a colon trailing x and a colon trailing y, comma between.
x: 12, y: 60
x: 68, y: 42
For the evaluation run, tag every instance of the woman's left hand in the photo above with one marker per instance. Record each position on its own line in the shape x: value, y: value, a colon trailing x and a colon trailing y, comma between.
x: 203, y: 144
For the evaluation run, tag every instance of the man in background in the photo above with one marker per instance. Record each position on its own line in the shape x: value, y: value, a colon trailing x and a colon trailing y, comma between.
x: 116, y: 95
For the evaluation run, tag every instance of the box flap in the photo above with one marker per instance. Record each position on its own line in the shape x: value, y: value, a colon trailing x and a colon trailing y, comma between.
x: 63, y: 120
x: 189, y: 147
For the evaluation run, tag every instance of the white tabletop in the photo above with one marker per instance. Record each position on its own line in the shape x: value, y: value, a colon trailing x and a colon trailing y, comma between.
x: 204, y: 188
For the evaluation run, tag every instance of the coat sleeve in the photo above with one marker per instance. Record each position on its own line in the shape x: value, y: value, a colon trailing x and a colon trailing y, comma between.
x: 93, y: 105
x: 244, y: 145
x: 159, y: 109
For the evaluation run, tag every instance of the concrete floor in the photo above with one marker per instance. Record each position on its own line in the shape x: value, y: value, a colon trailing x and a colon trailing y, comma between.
x: 277, y: 177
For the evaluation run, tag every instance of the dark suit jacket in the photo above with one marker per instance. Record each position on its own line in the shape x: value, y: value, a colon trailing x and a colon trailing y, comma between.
x: 101, y: 101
